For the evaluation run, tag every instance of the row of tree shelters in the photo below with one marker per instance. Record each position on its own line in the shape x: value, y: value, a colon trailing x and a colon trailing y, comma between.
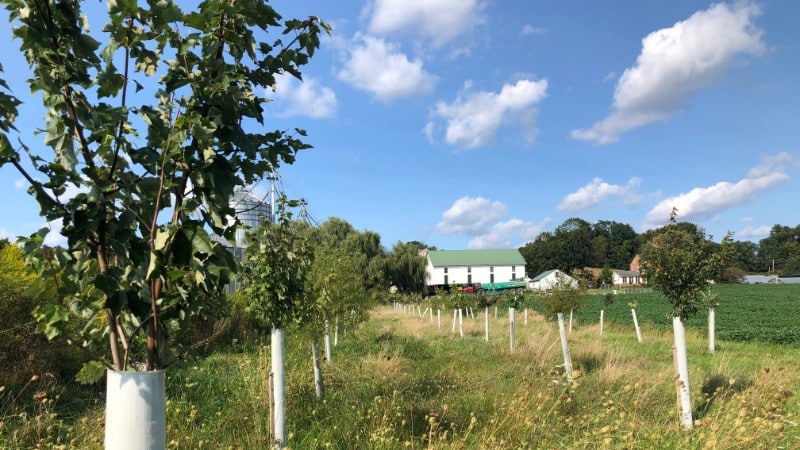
x: 468, y: 269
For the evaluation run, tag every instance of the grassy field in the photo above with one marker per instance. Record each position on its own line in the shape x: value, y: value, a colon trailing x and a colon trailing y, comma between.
x: 402, y: 382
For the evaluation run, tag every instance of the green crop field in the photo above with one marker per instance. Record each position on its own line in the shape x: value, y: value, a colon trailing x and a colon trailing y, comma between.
x: 762, y: 312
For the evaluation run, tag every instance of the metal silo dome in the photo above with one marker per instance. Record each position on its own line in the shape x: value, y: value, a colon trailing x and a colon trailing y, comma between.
x: 250, y: 211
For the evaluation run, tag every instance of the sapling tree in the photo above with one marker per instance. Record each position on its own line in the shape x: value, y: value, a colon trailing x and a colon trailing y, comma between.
x: 145, y: 137
x: 274, y: 275
x: 680, y: 265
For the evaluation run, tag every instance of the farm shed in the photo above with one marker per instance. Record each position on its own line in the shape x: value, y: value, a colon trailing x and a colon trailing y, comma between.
x: 550, y: 279
x: 626, y: 277
x: 445, y: 267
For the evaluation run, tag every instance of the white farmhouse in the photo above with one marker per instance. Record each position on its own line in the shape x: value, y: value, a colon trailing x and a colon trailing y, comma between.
x: 446, y: 267
x: 552, y: 279
x: 626, y: 277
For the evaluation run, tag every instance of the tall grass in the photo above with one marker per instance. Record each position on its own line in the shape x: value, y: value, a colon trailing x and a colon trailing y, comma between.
x: 400, y: 382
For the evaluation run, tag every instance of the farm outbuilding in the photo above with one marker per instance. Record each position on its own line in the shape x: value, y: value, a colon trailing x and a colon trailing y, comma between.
x: 446, y: 267
x: 626, y: 277
x: 552, y: 279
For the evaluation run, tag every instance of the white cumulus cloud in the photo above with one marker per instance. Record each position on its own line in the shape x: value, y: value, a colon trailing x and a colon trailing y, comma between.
x: 704, y: 202
x: 675, y: 64
x: 380, y: 68
x: 511, y: 233
x: 598, y: 190
x: 472, y: 120
x: 438, y: 21
x: 470, y: 215
x: 307, y: 98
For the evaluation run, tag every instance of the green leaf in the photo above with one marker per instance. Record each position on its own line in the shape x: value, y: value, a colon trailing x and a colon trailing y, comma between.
x: 162, y: 238
x: 91, y: 373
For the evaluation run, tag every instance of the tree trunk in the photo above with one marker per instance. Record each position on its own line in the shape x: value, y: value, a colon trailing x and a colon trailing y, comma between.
x: 279, y: 388
x: 682, y: 368
x: 564, y: 347
x: 319, y: 386
x: 711, y: 329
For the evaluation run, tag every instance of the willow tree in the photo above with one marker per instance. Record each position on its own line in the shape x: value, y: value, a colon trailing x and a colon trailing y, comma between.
x: 680, y: 265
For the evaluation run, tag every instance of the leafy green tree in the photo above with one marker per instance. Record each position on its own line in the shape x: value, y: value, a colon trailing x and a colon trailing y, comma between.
x: 153, y: 129
x: 606, y: 276
x: 781, y: 248
x: 276, y: 263
x: 680, y: 264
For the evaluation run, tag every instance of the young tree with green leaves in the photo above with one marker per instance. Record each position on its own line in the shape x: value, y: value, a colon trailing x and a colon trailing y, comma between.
x: 276, y: 265
x: 150, y: 123
x: 680, y: 265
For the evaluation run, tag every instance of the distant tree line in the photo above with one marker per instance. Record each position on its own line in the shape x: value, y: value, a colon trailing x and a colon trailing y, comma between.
x: 577, y: 244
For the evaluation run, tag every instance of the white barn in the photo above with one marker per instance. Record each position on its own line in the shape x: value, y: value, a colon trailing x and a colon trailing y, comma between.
x: 446, y: 267
x: 551, y: 279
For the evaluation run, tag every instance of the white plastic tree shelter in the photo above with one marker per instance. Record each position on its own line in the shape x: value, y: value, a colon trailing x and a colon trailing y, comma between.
x: 336, y: 331
x: 570, y: 321
x: 636, y: 325
x: 135, y: 410
x: 711, y: 329
x: 319, y: 386
x: 439, y: 318
x: 682, y: 363
x: 512, y: 328
x: 602, y: 312
x: 460, y: 323
x: 327, y: 341
x: 486, y: 323
x: 564, y: 347
x: 279, y: 389
x: 525, y: 321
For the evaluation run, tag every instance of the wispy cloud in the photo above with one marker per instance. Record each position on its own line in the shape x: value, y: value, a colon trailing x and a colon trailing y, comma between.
x: 376, y: 66
x: 675, y: 64
x: 750, y: 232
x: 529, y: 30
x: 511, y: 233
x: 598, y: 190
x: 472, y: 119
x: 437, y: 21
x: 704, y: 202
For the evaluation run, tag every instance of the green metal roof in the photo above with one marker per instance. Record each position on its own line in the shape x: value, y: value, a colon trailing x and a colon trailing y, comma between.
x: 450, y: 258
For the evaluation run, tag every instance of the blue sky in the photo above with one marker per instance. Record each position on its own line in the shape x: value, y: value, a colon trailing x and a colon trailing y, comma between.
x: 479, y: 124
